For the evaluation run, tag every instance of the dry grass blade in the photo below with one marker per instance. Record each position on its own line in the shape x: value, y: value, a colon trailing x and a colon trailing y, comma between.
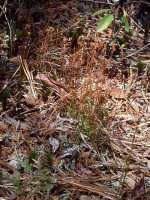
x: 76, y: 123
x: 96, y: 189
x: 29, y: 76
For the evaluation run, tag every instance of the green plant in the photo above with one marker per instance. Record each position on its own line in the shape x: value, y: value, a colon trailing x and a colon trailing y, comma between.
x: 4, y: 95
x: 108, y: 18
x: 104, y: 23
x: 16, y: 181
x: 33, y: 155
x: 27, y: 167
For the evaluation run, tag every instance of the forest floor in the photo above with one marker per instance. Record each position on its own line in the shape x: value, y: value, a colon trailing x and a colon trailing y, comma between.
x: 74, y: 103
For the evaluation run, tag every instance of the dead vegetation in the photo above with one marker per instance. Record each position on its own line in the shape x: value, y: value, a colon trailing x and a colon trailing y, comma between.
x: 75, y: 104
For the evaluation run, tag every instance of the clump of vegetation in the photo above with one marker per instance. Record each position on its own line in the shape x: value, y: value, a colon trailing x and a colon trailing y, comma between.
x: 74, y: 96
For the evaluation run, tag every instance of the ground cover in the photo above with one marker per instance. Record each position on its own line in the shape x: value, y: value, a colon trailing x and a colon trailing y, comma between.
x: 75, y: 101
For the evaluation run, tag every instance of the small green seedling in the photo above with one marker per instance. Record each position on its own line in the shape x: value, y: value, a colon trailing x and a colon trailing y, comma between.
x: 124, y: 22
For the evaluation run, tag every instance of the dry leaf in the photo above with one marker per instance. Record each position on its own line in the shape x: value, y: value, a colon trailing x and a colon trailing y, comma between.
x: 50, y: 82
x: 54, y: 143
x: 137, y: 193
x: 118, y: 93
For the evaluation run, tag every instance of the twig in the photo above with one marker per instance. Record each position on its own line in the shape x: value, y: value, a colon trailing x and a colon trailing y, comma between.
x: 139, y: 50
x: 3, y: 7
x: 9, y: 26
x: 98, y: 2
